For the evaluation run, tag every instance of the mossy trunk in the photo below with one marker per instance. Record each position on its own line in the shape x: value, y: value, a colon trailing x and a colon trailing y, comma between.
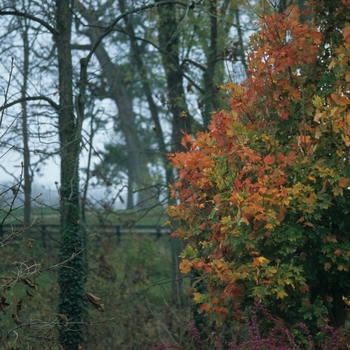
x: 72, y: 275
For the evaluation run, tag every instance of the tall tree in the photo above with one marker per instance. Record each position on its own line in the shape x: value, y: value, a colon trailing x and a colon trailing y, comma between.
x: 170, y: 53
x: 27, y: 175
x: 137, y: 55
x: 119, y: 90
x: 72, y: 300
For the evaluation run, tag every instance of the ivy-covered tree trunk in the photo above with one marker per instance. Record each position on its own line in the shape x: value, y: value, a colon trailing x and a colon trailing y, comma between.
x: 72, y: 301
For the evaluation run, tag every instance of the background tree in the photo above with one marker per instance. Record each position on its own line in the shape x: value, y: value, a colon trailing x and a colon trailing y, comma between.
x: 179, y: 45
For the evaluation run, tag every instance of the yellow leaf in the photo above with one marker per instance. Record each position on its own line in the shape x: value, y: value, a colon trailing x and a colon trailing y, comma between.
x: 334, y: 110
x: 347, y: 76
x: 245, y: 220
x: 259, y: 261
x: 318, y: 133
x: 346, y: 301
x: 198, y: 297
x: 318, y: 116
x: 226, y: 219
x: 318, y: 102
x: 185, y: 266
x: 281, y: 294
x: 346, y: 140
x: 332, y: 64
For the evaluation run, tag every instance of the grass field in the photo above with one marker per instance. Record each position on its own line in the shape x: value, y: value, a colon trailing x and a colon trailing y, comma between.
x: 132, y: 274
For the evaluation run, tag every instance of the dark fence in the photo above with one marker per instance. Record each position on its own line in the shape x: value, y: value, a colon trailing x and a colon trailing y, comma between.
x: 46, y: 233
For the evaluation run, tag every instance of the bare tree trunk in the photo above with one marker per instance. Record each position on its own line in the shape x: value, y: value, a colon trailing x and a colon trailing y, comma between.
x: 209, y: 86
x: 88, y: 172
x: 130, y: 193
x: 169, y: 45
x: 240, y: 40
x: 27, y: 184
x: 339, y: 310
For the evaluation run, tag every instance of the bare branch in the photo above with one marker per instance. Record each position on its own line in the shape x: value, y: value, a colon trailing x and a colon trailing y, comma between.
x: 112, y: 25
x: 31, y: 98
x: 14, y: 12
x: 80, y: 47
x: 198, y: 65
x: 7, y: 89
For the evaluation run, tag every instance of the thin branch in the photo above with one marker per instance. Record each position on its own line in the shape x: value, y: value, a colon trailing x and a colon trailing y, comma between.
x: 31, y: 98
x: 80, y: 47
x: 14, y: 12
x: 112, y: 25
x: 135, y: 37
x: 7, y: 89
x: 198, y: 65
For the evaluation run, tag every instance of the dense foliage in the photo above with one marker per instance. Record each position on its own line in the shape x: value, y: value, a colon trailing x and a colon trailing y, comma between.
x: 263, y: 197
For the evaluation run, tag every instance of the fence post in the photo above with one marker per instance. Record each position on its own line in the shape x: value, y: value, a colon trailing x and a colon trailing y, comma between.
x: 118, y: 233
x: 158, y: 233
x: 43, y: 236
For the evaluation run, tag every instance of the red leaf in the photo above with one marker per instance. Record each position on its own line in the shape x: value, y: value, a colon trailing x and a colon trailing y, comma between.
x: 338, y: 252
x: 268, y: 160
x: 187, y: 139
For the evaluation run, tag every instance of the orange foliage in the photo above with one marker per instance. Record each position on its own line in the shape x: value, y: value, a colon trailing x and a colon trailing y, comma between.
x: 263, y: 195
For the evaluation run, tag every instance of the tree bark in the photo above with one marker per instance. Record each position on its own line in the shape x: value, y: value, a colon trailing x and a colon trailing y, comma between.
x: 27, y: 184
x: 72, y: 275
x: 240, y: 40
x: 209, y: 86
x: 169, y: 45
x: 339, y: 311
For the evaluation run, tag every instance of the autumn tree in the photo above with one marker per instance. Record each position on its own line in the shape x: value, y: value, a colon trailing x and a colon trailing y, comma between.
x: 263, y: 196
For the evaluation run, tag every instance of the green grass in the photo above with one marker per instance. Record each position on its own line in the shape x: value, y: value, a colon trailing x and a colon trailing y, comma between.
x: 132, y: 276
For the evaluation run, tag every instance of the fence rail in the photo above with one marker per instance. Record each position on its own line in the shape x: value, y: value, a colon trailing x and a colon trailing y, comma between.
x: 51, y: 232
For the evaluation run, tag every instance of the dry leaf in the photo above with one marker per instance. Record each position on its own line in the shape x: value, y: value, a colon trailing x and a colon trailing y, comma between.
x: 17, y: 306
x: 29, y: 283
x: 29, y: 293
x: 95, y: 301
x: 2, y: 296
